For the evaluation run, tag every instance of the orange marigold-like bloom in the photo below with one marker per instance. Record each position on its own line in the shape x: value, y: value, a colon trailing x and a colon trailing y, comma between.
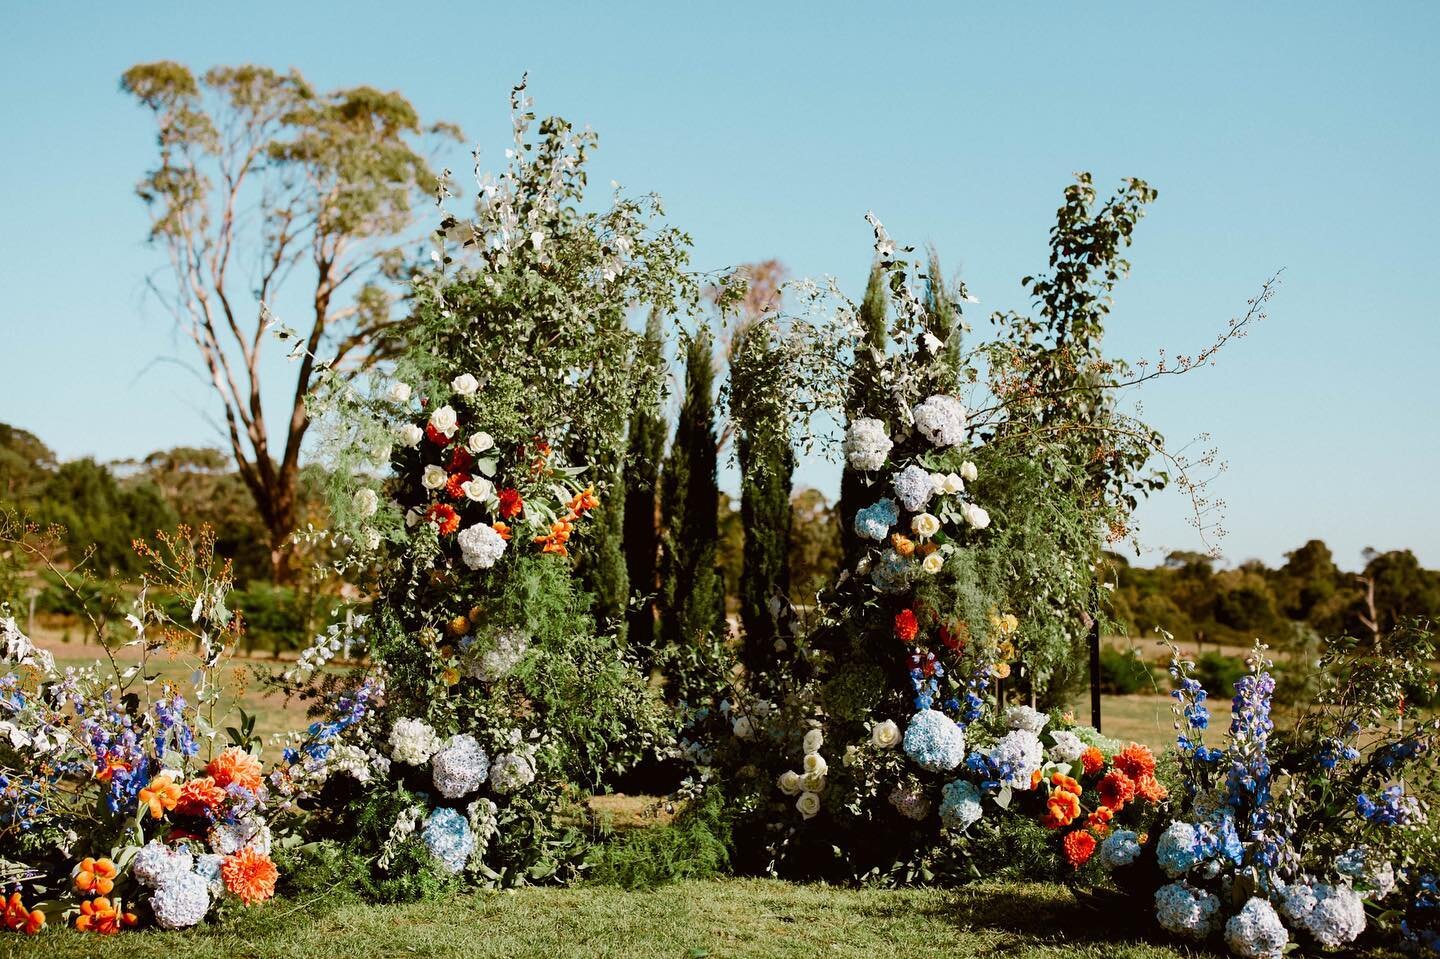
x: 444, y: 516
x: 1062, y: 781
x: 235, y: 767
x: 19, y: 919
x: 1116, y: 789
x: 250, y: 875
x: 1079, y: 847
x: 1093, y: 760
x: 584, y: 501
x: 1136, y: 761
x: 1151, y: 789
x: 161, y: 795
x: 1035, y: 779
x: 502, y: 529
x: 1062, y: 809
x: 1098, y: 822
x: 906, y: 626
x: 455, y: 485
x: 96, y: 875
x: 101, y: 916
x: 902, y: 544
x: 200, y: 796
x: 510, y: 502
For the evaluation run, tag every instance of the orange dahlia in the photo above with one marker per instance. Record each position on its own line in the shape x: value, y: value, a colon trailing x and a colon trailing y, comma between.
x: 250, y: 875
x: 455, y: 485
x: 510, y: 503
x: 1079, y: 847
x: 1151, y: 789
x: 200, y: 796
x: 96, y: 875
x: 161, y: 795
x: 444, y: 516
x: 235, y: 767
x: 1093, y: 760
x: 1116, y: 789
x: 1136, y: 761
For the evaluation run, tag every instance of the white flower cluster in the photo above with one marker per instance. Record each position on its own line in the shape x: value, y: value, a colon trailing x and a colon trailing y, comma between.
x: 405, y: 825
x: 247, y: 832
x: 867, y: 445
x: 180, y: 898
x: 336, y: 639
x: 498, y: 658
x: 16, y: 647
x: 885, y: 735
x: 155, y: 862
x: 413, y: 742
x: 480, y: 546
x: 511, y: 771
x: 941, y: 420
x: 484, y: 818
x: 810, y: 782
x: 1021, y: 752
x: 1256, y: 932
x: 1068, y: 747
x: 1332, y: 915
x: 914, y: 487
x: 1186, y: 911
x: 460, y: 767
x: 1027, y: 718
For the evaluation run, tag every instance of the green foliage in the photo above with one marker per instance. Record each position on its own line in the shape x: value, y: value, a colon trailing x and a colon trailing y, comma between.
x: 645, y: 455
x: 1123, y: 672
x: 1219, y: 673
x: 695, y: 845
x: 101, y: 517
x: 865, y: 398
x: 814, y: 545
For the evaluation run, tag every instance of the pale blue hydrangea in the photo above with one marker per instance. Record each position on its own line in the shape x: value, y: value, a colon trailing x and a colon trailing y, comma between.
x: 934, y: 741
x: 461, y: 767
x: 207, y: 867
x: 1368, y: 870
x: 874, y: 522
x: 1256, y: 932
x: 1186, y: 911
x: 1068, y: 747
x: 1332, y: 915
x: 960, y: 805
x: 1027, y: 718
x: 914, y: 486
x: 1120, y: 848
x: 891, y: 572
x: 449, y: 838
x: 156, y: 862
x: 180, y: 901
x: 1178, y: 849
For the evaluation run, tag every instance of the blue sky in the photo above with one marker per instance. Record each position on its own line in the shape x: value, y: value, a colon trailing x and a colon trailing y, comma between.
x: 1300, y: 136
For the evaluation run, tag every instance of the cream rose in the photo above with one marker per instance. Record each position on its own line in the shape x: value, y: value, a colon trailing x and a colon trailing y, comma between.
x: 410, y: 435
x: 742, y: 727
x: 933, y: 563
x: 434, y: 477
x: 445, y: 421
x: 400, y: 392
x: 813, y: 782
x: 478, y: 490
x: 789, y: 782
x: 479, y: 442
x: 924, y: 525
x: 886, y: 735
x: 465, y: 384
x: 975, y: 516
x: 968, y: 472
x: 951, y: 483
x: 808, y: 804
x: 367, y: 501
x: 815, y: 763
x: 814, y: 739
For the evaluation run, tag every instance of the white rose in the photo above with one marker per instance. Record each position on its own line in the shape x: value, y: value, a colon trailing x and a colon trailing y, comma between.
x: 815, y: 763
x: 951, y: 483
x: 808, y: 804
x: 789, y: 782
x: 933, y: 563
x: 366, y: 502
x: 434, y: 477
x: 445, y: 421
x: 465, y: 384
x: 814, y: 739
x: 372, y: 538
x: 742, y: 727
x: 813, y: 782
x: 414, y: 516
x: 478, y: 489
x: 886, y: 735
x: 410, y: 435
x: 968, y: 471
x: 975, y: 516
x: 480, y: 442
x: 381, y: 453
x: 924, y: 525
x: 400, y: 392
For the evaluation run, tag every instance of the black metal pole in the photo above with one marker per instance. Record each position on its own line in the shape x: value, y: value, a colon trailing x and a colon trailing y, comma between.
x: 1095, y: 656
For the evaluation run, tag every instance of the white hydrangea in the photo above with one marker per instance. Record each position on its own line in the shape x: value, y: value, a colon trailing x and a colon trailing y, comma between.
x: 941, y: 420
x: 1023, y: 753
x: 510, y: 772
x: 1027, y: 718
x: 1333, y: 915
x: 1186, y: 911
x: 867, y: 445
x: 480, y: 546
x: 460, y: 767
x: 914, y: 487
x: 413, y: 742
x: 498, y: 658
x: 1068, y: 747
x: 1256, y: 932
x: 248, y: 832
x: 155, y: 862
x: 207, y: 867
x: 180, y: 901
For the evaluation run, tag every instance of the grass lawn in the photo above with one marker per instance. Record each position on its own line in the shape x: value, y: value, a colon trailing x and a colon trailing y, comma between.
x: 722, y: 918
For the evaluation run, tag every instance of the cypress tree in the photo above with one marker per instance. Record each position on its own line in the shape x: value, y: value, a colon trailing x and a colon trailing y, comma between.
x: 644, y: 456
x: 767, y: 461
x: 693, y: 590
x: 866, y: 398
x: 942, y: 320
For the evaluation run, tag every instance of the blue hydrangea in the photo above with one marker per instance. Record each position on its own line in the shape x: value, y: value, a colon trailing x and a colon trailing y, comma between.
x: 874, y: 522
x: 180, y: 901
x: 934, y: 741
x: 1120, y: 848
x: 960, y: 804
x: 448, y: 836
x: 1178, y: 849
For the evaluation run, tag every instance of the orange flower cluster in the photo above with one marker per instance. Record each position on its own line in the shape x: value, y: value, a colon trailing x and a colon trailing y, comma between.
x: 455, y: 485
x: 96, y: 876
x: 1093, y: 760
x: 235, y: 767
x: 200, y: 797
x: 555, y: 541
x: 100, y: 915
x: 1061, y: 810
x: 444, y: 516
x: 161, y: 795
x: 250, y: 875
x: 20, y: 919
